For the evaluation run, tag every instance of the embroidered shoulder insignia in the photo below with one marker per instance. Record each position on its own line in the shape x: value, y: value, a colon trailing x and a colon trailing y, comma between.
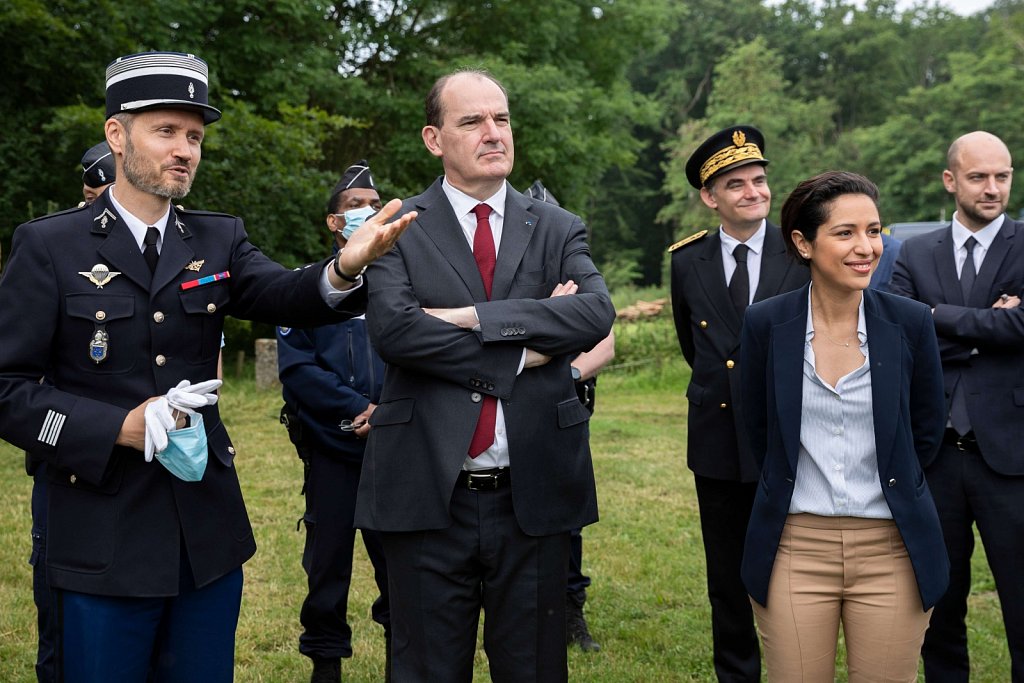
x: 687, y: 240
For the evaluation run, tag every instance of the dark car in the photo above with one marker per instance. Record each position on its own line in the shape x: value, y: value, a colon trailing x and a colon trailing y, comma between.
x: 902, y: 231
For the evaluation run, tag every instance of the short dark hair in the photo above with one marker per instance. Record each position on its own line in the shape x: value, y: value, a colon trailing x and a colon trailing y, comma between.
x: 433, y: 107
x: 809, y: 205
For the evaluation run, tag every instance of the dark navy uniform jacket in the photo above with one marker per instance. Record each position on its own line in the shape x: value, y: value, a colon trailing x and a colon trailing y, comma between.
x: 116, y: 522
x: 329, y: 374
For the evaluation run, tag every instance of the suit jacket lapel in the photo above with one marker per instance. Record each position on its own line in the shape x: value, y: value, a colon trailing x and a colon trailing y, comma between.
x: 885, y: 353
x: 788, y: 359
x: 119, y: 250
x: 711, y: 274
x: 175, y: 253
x: 438, y: 221
x: 945, y: 268
x: 982, y: 295
x: 516, y: 232
x: 774, y: 264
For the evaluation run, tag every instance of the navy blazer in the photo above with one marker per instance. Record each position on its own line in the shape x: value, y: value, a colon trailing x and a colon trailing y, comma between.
x: 994, y: 375
x: 909, y: 419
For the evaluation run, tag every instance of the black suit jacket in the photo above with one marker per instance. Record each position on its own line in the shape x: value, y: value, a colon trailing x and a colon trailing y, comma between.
x: 906, y: 405
x: 709, y: 335
x: 994, y: 376
x: 116, y: 521
x: 437, y: 372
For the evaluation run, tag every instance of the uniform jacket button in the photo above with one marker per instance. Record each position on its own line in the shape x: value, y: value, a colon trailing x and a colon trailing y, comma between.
x: 101, y: 315
x: 475, y: 397
x: 723, y: 405
x: 231, y: 450
x: 158, y: 317
x: 211, y: 308
x: 703, y: 324
x: 730, y: 364
x: 161, y: 360
x: 72, y: 479
x: 892, y: 482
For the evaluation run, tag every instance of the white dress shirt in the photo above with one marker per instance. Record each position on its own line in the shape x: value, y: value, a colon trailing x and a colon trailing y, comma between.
x: 756, y: 245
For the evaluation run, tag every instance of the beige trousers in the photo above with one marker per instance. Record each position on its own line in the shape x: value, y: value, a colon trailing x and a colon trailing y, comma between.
x: 841, y: 569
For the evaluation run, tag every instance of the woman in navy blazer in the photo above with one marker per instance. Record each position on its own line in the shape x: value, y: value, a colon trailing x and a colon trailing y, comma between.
x: 843, y: 528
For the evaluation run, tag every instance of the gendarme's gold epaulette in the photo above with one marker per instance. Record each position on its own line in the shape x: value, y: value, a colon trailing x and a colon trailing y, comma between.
x: 687, y: 240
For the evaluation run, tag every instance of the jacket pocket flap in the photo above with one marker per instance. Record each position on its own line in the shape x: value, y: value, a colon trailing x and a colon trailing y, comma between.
x: 572, y: 412
x: 100, y: 308
x: 392, y: 412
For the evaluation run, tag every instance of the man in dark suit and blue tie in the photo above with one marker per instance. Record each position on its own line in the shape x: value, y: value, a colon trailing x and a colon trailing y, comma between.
x: 715, y: 275
x: 478, y: 465
x: 972, y: 275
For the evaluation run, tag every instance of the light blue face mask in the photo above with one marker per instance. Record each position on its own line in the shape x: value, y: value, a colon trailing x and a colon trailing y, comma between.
x: 186, y: 455
x: 355, y: 218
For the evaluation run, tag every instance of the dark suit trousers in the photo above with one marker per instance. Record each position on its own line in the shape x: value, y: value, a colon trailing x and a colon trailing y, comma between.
x: 46, y: 620
x: 724, y: 511
x: 967, y: 492
x: 439, y: 580
x: 327, y: 557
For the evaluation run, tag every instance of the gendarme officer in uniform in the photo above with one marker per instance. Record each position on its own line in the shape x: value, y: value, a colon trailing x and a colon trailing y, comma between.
x: 715, y: 276
x: 113, y: 305
x: 331, y: 380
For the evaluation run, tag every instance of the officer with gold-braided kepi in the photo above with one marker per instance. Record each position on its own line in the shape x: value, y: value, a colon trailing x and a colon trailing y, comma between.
x: 715, y: 275
x: 119, y: 307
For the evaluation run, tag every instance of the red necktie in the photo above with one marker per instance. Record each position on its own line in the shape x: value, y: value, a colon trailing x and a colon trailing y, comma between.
x: 483, y: 253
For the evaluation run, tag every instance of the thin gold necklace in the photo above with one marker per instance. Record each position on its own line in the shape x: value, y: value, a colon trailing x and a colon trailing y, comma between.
x: 837, y: 343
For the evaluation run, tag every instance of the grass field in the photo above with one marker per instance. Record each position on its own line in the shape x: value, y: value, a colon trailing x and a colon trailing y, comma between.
x: 647, y: 605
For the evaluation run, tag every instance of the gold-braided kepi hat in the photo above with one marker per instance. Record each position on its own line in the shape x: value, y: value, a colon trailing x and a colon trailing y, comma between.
x: 727, y: 149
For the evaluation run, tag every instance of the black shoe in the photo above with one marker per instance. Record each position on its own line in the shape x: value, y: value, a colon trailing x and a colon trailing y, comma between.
x: 576, y: 631
x: 326, y: 671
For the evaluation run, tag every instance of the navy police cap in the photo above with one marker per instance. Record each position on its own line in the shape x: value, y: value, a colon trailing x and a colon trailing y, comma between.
x: 159, y: 80
x: 98, y: 167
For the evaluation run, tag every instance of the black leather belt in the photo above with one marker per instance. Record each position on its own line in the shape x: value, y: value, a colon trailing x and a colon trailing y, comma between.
x: 485, y: 480
x: 967, y: 442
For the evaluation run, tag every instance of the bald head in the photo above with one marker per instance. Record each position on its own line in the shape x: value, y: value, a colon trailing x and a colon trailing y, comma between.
x: 979, y: 176
x: 980, y: 142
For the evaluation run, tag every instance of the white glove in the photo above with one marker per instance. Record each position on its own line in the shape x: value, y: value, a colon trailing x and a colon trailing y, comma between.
x: 187, y: 397
x: 158, y: 421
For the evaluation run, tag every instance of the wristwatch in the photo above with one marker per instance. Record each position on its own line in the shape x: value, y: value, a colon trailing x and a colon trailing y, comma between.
x: 576, y: 374
x: 346, y: 278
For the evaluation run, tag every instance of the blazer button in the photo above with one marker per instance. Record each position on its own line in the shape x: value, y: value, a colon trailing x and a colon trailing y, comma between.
x: 892, y: 482
x: 730, y: 364
x: 72, y: 479
x: 161, y: 360
x: 703, y: 324
x: 158, y: 317
x: 522, y: 330
x: 101, y: 315
x: 475, y: 397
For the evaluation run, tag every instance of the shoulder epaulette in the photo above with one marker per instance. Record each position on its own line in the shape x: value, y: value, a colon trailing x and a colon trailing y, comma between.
x: 687, y: 240
x: 73, y: 209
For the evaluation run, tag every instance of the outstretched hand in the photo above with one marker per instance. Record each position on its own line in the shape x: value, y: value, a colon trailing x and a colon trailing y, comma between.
x: 374, y: 238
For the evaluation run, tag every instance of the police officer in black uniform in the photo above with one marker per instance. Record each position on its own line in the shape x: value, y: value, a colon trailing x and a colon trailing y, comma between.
x: 115, y: 304
x: 331, y: 380
x: 98, y: 171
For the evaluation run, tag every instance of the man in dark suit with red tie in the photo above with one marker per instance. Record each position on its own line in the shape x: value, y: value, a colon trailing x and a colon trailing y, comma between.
x: 972, y: 275
x: 715, y: 275
x: 478, y: 465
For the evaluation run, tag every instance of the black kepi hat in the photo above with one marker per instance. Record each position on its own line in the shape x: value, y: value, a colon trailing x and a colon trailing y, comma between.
x: 159, y: 80
x: 725, y: 150
x: 98, y: 167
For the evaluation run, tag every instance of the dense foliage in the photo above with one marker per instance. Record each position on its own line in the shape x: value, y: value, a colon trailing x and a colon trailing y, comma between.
x: 608, y: 99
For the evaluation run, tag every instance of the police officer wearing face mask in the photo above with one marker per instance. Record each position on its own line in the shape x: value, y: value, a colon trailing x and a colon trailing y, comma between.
x: 331, y: 379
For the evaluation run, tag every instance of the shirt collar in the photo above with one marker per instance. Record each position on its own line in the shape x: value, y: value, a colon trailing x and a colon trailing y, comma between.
x: 756, y: 241
x: 136, y: 224
x: 862, y: 327
x: 985, y: 236
x: 462, y: 203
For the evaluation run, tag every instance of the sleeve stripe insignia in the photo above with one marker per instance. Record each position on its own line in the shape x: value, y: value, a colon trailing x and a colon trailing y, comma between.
x: 52, y: 425
x: 686, y: 240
